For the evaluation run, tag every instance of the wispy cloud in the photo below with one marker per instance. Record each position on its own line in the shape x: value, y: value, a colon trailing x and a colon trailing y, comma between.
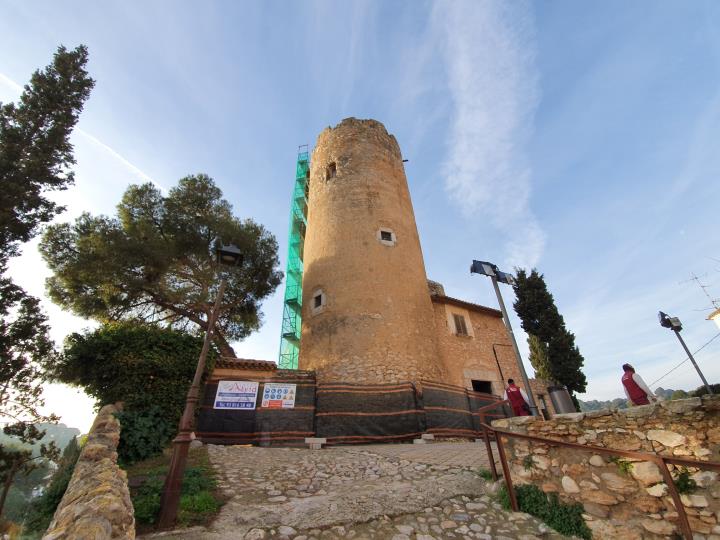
x: 489, y: 53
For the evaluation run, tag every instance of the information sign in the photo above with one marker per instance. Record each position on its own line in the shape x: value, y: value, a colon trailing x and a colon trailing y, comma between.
x: 236, y: 395
x: 279, y: 396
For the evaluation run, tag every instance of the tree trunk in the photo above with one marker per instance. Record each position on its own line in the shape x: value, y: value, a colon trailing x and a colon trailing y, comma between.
x: 7, y: 484
x: 225, y: 349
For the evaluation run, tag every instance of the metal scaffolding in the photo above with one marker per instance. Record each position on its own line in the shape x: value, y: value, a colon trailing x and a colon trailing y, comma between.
x: 291, y: 323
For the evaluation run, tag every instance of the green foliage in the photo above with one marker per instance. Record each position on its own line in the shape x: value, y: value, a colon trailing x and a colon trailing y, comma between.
x: 539, y: 357
x: 144, y: 434
x: 540, y: 318
x: 197, y: 500
x: 35, y: 150
x: 152, y: 262
x: 624, y: 466
x: 528, y: 462
x: 683, y: 482
x: 701, y: 391
x: 485, y: 474
x: 679, y: 394
x: 43, y: 508
x: 564, y: 518
x: 35, y: 158
x: 146, y: 367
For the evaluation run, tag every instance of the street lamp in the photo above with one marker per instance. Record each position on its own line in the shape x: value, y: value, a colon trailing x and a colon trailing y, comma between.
x: 492, y: 271
x: 224, y: 254
x: 674, y: 324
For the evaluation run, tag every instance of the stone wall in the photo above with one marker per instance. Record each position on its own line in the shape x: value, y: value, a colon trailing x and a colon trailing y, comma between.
x: 97, y: 501
x: 625, y: 499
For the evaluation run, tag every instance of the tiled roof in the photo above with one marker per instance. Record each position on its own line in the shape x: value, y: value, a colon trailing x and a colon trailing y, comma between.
x: 244, y: 363
x: 467, y: 305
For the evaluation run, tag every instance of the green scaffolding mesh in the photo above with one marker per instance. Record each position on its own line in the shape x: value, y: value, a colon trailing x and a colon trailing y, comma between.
x: 291, y: 323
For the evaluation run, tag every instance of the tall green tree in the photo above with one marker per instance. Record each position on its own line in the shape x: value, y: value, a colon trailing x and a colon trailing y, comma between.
x: 35, y: 151
x: 539, y: 357
x: 35, y: 158
x: 153, y: 263
x: 541, y: 319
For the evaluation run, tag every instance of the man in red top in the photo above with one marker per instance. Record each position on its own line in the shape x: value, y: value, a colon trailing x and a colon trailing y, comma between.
x: 636, y: 390
x: 517, y: 398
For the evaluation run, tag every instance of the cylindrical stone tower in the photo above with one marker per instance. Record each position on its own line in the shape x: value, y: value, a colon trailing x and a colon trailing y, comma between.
x: 367, y: 316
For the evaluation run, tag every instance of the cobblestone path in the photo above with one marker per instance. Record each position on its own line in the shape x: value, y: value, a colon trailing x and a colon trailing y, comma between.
x: 394, y: 492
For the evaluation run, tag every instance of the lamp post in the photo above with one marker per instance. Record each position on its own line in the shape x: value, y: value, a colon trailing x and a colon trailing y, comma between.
x: 229, y: 255
x: 492, y: 271
x: 674, y: 324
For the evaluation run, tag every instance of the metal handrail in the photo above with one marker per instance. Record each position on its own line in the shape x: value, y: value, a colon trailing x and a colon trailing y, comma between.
x: 659, y: 460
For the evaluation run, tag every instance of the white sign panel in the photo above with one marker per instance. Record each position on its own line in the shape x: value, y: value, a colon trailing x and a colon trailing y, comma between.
x: 279, y: 396
x: 236, y: 395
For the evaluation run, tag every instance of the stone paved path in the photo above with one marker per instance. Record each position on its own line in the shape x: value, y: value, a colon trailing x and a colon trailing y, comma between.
x: 398, y: 492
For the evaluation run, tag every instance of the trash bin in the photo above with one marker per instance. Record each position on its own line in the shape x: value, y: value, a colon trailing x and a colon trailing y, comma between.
x: 561, y: 400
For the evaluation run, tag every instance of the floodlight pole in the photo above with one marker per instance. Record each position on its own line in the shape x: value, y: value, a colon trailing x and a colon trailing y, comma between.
x: 692, y: 359
x: 181, y: 444
x: 526, y: 382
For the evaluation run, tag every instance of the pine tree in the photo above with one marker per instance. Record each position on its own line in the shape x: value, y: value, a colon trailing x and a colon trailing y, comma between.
x: 539, y: 357
x: 542, y: 321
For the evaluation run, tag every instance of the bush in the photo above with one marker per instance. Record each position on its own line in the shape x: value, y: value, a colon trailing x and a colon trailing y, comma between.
x: 197, y: 501
x: 564, y: 518
x: 146, y: 367
x: 683, y: 482
x: 143, y: 434
x: 43, y: 508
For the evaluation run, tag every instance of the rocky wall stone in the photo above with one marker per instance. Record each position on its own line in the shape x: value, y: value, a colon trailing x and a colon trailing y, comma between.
x: 96, y: 504
x: 625, y: 498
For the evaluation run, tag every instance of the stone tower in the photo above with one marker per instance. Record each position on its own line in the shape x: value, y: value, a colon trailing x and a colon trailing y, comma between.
x: 367, y: 316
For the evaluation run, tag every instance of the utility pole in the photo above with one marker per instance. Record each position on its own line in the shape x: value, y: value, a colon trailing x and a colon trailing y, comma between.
x: 674, y: 324
x: 490, y: 270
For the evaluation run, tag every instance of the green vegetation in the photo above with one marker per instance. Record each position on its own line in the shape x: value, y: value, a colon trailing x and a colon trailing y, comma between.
x: 35, y: 158
x: 200, y: 499
x: 146, y: 367
x: 683, y: 482
x: 43, y: 508
x: 152, y: 262
x: 624, y: 466
x: 485, y: 474
x: 528, y: 462
x: 564, y: 518
x: 554, y: 355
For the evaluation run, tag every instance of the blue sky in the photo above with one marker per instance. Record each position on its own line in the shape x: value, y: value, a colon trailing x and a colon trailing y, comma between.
x: 580, y: 138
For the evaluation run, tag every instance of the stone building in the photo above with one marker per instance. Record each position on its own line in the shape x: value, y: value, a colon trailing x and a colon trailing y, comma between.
x: 369, y: 313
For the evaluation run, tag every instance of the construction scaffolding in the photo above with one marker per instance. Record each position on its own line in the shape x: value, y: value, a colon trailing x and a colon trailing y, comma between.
x: 291, y: 323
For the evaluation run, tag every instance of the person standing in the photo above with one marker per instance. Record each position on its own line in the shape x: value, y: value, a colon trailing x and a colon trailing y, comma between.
x: 518, y: 399
x: 636, y: 390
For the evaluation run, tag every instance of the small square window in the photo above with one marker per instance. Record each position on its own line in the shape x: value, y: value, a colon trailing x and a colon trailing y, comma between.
x: 331, y: 171
x: 317, y: 301
x: 386, y: 236
x: 460, y: 326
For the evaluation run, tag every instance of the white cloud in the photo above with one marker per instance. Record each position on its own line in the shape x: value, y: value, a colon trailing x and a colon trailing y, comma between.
x: 489, y: 52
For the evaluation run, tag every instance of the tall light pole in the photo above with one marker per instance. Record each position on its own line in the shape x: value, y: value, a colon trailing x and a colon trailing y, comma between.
x: 674, y: 324
x: 228, y: 255
x: 492, y: 271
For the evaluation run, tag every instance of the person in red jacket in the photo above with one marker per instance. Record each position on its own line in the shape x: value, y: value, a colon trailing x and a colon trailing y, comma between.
x: 517, y: 398
x: 636, y: 390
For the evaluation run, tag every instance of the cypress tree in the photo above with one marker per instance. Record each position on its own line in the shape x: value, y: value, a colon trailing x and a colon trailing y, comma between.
x: 562, y: 361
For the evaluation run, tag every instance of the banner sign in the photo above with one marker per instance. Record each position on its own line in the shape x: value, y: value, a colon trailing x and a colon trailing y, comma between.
x: 236, y: 395
x: 279, y: 396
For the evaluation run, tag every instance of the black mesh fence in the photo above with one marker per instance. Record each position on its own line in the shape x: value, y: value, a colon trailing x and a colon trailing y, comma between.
x: 345, y: 413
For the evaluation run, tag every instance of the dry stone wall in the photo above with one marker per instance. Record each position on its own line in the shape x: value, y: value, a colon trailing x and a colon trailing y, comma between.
x: 97, y: 501
x: 625, y: 498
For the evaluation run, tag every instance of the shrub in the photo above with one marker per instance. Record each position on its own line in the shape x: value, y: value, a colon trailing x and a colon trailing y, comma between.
x: 683, y: 482
x: 485, y: 474
x: 197, y: 501
x: 564, y: 518
x: 143, y: 434
x: 146, y: 367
